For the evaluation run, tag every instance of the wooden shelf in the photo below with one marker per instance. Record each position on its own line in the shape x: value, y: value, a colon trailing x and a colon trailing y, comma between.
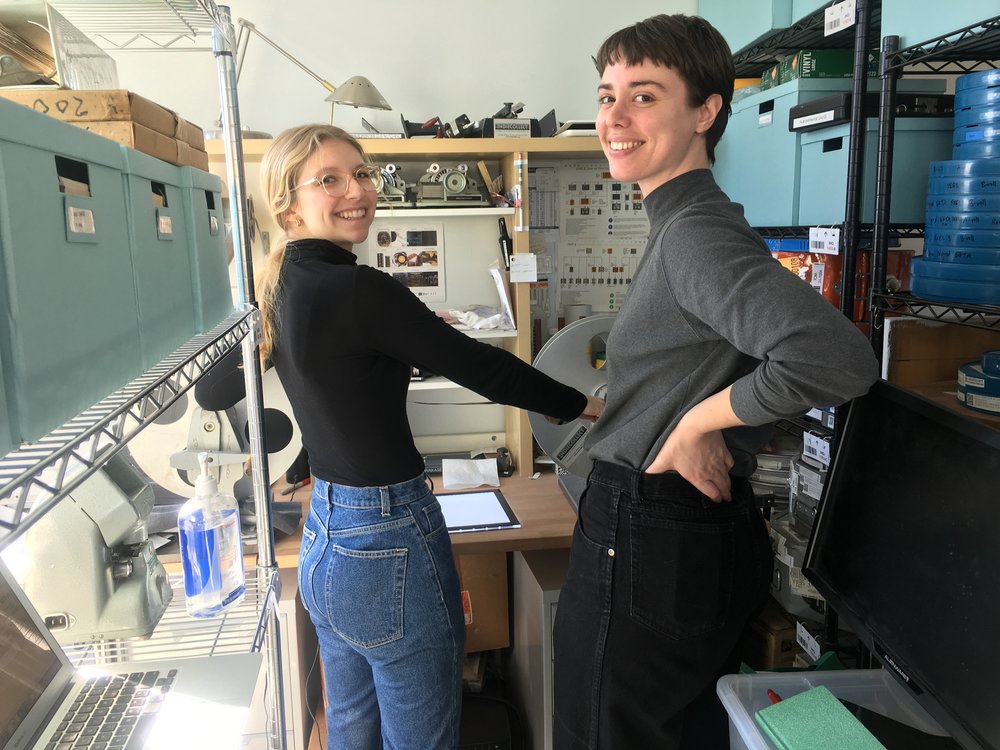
x: 434, y: 213
x: 435, y: 148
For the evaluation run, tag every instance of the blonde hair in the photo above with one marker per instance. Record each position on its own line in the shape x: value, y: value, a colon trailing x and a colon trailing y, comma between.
x: 279, y: 174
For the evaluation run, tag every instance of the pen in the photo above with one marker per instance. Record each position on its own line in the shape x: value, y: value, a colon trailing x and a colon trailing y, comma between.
x: 773, y: 696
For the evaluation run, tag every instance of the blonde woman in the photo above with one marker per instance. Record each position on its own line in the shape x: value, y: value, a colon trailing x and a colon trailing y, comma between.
x: 376, y: 570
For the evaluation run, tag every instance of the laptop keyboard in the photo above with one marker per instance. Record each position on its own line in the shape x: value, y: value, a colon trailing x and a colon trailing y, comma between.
x: 115, y: 712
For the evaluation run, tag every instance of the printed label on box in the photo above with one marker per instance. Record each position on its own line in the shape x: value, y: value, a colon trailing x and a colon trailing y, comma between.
x: 467, y: 607
x: 81, y: 220
x: 805, y: 639
x: 839, y: 16
x: 824, y: 240
x: 816, y: 447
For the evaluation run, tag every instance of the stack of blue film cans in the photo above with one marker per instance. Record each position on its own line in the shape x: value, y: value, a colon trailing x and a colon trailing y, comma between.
x: 961, y: 260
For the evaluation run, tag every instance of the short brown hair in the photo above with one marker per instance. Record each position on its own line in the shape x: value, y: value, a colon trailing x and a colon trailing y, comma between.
x: 689, y: 45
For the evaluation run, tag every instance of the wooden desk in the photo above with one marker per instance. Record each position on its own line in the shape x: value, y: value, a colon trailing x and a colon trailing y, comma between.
x: 545, y: 514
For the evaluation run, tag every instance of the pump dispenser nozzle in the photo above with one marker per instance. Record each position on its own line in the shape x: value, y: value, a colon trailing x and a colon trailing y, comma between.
x: 206, y: 484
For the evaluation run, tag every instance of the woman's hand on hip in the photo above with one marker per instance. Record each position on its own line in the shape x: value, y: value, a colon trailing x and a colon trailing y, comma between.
x: 702, y: 458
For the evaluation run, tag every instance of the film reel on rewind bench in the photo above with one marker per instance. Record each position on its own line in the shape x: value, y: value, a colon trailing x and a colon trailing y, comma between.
x: 575, y: 356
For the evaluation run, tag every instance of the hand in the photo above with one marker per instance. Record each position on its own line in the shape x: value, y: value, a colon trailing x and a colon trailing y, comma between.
x: 594, y: 409
x: 702, y: 458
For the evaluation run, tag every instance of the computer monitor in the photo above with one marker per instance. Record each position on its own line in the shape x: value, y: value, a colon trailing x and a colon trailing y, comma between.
x: 906, y: 549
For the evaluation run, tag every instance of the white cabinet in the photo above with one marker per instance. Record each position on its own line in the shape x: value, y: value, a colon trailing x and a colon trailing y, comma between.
x: 538, y: 578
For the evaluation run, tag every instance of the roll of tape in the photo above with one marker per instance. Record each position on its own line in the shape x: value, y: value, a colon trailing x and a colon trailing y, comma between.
x: 964, y: 167
x: 973, y: 292
x: 979, y: 96
x: 963, y: 185
x: 933, y: 269
x: 984, y: 256
x: 976, y: 150
x: 984, y: 238
x: 978, y: 401
x: 976, y: 133
x: 991, y: 362
x: 960, y: 204
x: 974, y: 379
x: 970, y: 220
x: 979, y: 78
x: 976, y: 116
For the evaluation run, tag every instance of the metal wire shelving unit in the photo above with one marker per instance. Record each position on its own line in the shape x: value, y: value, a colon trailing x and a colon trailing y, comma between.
x: 34, y: 478
x: 179, y: 636
x: 960, y: 51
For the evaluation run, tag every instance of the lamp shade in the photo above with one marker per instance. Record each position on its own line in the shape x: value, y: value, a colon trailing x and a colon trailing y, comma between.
x: 358, y: 91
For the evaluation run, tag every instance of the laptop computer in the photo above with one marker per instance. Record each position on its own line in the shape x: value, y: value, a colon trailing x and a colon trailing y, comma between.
x: 193, y: 703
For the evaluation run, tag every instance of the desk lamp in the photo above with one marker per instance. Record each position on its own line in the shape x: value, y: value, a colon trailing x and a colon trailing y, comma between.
x: 356, y: 91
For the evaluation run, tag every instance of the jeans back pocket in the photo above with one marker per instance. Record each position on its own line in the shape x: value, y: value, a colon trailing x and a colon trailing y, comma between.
x: 364, y: 594
x: 681, y: 574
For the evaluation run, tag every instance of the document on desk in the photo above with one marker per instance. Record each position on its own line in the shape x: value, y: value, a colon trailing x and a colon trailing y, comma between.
x: 477, y: 511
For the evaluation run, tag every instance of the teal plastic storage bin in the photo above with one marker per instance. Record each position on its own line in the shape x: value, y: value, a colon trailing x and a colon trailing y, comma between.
x: 161, y: 254
x: 757, y: 160
x: 8, y: 426
x: 213, y: 295
x: 803, y: 8
x: 916, y: 21
x: 70, y: 321
x: 746, y: 21
x: 823, y: 177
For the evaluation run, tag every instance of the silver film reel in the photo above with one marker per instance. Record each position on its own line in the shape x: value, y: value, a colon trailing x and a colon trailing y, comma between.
x: 575, y: 356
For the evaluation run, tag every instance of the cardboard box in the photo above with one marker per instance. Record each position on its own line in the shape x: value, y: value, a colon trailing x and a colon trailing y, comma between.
x: 148, y: 141
x: 769, y: 78
x: 770, y: 640
x: 102, y: 105
x: 817, y: 63
x: 136, y: 136
x: 921, y: 352
x: 483, y: 582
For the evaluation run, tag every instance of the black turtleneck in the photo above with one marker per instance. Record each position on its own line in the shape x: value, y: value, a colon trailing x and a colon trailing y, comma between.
x: 347, y: 336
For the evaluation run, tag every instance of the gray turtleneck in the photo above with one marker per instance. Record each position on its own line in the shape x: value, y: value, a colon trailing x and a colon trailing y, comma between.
x: 709, y: 307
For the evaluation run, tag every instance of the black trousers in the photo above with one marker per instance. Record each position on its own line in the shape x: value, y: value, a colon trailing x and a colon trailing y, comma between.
x: 661, y: 586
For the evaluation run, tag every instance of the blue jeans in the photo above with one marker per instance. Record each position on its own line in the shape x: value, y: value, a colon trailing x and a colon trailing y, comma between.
x: 661, y: 586
x: 377, y: 575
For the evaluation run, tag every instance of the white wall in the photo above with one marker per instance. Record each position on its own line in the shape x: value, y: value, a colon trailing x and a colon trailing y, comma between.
x: 427, y: 57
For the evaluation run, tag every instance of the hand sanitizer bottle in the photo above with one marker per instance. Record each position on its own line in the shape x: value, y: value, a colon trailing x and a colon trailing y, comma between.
x: 211, y: 548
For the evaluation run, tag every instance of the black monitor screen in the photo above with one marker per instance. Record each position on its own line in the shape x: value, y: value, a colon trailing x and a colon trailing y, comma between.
x: 906, y: 549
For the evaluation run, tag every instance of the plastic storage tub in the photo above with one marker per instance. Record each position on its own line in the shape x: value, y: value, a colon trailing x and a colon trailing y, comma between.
x: 916, y: 21
x: 8, y: 427
x: 746, y: 21
x: 803, y: 8
x: 213, y: 296
x: 70, y: 322
x: 745, y: 694
x: 757, y: 160
x: 161, y: 254
x: 823, y: 174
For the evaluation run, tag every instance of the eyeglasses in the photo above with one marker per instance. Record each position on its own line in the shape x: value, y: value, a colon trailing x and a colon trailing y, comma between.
x: 336, y: 183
